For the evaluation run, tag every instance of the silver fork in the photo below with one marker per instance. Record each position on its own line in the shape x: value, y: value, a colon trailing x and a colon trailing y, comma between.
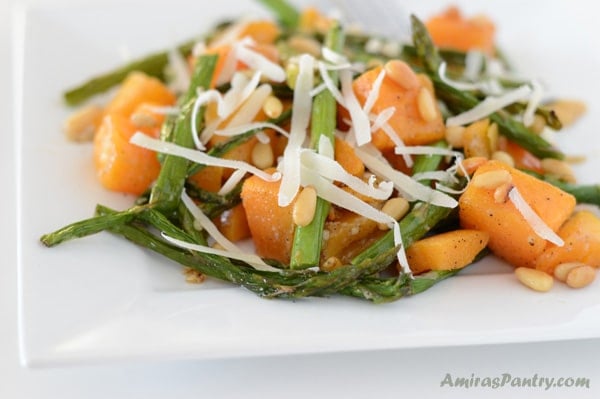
x: 385, y: 18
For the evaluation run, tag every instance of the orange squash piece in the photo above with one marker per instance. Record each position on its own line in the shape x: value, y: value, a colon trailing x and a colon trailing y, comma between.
x: 269, y: 51
x: 347, y: 158
x: 511, y: 237
x: 451, y: 29
x: 581, y: 234
x: 120, y: 165
x: 262, y: 32
x: 136, y: 89
x: 271, y: 226
x: 447, y: 251
x: 233, y: 223
x: 523, y: 158
x: 407, y: 121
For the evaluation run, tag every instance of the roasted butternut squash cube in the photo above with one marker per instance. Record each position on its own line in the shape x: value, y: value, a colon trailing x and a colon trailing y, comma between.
x: 407, y: 120
x: 446, y: 251
x: 581, y: 234
x: 511, y: 236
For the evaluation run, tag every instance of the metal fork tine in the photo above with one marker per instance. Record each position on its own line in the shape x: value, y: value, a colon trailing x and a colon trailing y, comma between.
x: 381, y: 17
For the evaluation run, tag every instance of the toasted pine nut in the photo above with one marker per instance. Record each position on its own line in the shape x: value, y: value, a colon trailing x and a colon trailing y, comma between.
x: 391, y: 49
x: 538, y: 125
x: 470, y: 165
x: 262, y: 155
x: 501, y: 193
x: 143, y: 119
x: 303, y: 44
x: 402, y: 74
x: 491, y: 179
x: 82, y: 125
x: 581, y: 276
x: 330, y: 264
x: 193, y: 276
x: 535, y: 279
x: 559, y: 169
x: 426, y: 105
x: 395, y: 207
x: 272, y: 107
x: 562, y: 270
x: 454, y: 136
x: 568, y: 111
x: 492, y: 136
x: 504, y: 157
x: 304, y: 207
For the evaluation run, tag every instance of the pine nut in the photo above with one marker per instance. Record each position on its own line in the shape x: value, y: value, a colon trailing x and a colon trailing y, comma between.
x: 193, y: 276
x: 535, y: 279
x: 568, y: 111
x: 470, y: 165
x: 82, y: 125
x: 395, y: 207
x: 272, y: 107
x: 304, y: 44
x: 426, y: 105
x: 291, y: 74
x: 391, y: 49
x: 581, y: 276
x: 504, y: 157
x: 143, y: 119
x: 262, y: 155
x: 538, y: 125
x: 331, y: 264
x: 402, y: 74
x: 305, y: 206
x: 492, y: 136
x: 501, y: 193
x: 454, y: 136
x: 491, y: 179
x: 559, y: 169
x: 562, y: 270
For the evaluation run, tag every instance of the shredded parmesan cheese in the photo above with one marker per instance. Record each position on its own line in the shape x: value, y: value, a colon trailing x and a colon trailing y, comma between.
x: 290, y: 166
x: 534, y: 102
x: 410, y: 188
x: 140, y: 139
x: 490, y: 105
x: 533, y: 219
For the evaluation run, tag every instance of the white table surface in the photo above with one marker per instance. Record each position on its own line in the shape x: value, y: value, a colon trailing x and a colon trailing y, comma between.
x: 400, y: 373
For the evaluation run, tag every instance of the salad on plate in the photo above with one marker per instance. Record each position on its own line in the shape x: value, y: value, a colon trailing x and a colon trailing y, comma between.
x: 354, y: 164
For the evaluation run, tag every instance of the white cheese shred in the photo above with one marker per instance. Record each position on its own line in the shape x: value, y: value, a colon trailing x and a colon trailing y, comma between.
x: 534, y: 102
x: 141, y: 140
x: 203, y: 98
x: 253, y: 260
x: 533, y: 219
x: 374, y: 93
x: 237, y: 130
x: 360, y: 120
x: 181, y: 74
x: 332, y: 193
x: 490, y: 105
x: 328, y: 82
x: 473, y: 65
x: 328, y: 168
x: 231, y: 250
x: 410, y: 188
x: 301, y: 107
x: 259, y: 62
x: 233, y: 181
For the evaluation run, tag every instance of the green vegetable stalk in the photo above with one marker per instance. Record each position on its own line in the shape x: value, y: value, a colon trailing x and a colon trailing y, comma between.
x: 306, y: 249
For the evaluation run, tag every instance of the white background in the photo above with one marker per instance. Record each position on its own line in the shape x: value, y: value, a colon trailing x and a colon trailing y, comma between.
x: 400, y: 373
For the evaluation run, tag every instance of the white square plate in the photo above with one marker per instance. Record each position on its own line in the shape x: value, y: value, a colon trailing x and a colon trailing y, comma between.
x: 102, y: 299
